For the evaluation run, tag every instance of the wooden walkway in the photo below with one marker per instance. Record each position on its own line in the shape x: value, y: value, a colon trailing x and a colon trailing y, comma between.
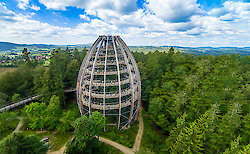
x: 27, y: 100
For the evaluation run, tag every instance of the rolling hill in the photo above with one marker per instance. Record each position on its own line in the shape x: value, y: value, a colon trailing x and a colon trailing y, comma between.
x: 13, y: 47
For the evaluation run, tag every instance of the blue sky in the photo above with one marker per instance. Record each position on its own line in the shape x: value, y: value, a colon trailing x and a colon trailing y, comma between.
x: 142, y: 22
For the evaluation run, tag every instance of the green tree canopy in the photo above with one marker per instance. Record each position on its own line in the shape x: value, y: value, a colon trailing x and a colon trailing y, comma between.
x: 99, y: 121
x: 17, y: 143
x: 16, y: 97
x: 3, y: 98
x: 53, y: 112
x: 84, y: 136
x: 36, y: 113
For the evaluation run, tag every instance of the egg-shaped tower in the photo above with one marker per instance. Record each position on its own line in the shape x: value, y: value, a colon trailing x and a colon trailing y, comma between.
x: 109, y: 82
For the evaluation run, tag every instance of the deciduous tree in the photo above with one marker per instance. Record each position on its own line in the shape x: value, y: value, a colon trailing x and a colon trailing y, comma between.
x: 17, y: 143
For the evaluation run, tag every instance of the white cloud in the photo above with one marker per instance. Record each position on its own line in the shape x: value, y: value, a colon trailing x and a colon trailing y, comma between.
x: 124, y: 6
x: 34, y: 7
x: 84, y: 17
x: 94, y: 28
x: 32, y: 13
x: 106, y: 10
x: 232, y: 10
x: 57, y: 4
x: 173, y: 10
x: 22, y: 29
x: 23, y: 4
x: 3, y: 9
x: 194, y: 31
x: 156, y: 24
x: 125, y: 13
x: 19, y: 28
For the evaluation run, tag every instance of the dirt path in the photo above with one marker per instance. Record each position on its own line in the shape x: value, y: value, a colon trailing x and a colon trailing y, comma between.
x: 118, y: 146
x: 60, y: 151
x: 137, y: 143
x: 20, y: 124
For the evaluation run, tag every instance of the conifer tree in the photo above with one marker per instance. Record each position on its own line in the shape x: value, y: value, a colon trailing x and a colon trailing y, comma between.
x: 234, y: 147
x: 246, y: 149
x: 245, y: 130
x: 76, y: 55
x: 68, y: 51
x: 191, y: 138
x: 228, y: 128
x: 180, y: 124
x: 26, y: 55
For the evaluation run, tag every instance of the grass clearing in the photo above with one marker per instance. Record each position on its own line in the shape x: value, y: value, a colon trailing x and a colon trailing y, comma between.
x: 108, y: 149
x: 61, y: 139
x: 55, y: 139
x: 125, y: 137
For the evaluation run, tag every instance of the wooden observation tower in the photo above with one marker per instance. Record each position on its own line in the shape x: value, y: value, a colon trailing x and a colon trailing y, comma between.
x: 109, y: 82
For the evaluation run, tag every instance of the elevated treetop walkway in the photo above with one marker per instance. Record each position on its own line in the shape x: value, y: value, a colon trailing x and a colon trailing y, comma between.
x: 27, y: 100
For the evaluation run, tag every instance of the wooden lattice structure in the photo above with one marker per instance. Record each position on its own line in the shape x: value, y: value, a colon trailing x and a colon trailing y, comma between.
x: 109, y: 82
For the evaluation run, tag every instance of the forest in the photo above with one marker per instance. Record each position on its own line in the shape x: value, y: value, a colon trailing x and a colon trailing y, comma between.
x: 200, y: 104
x: 192, y: 104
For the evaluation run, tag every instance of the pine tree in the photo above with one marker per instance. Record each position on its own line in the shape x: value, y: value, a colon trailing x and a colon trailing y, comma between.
x: 246, y: 149
x: 245, y: 129
x: 191, y: 138
x: 228, y: 128
x: 76, y: 55
x: 26, y: 55
x: 234, y: 147
x: 67, y: 51
x: 180, y: 124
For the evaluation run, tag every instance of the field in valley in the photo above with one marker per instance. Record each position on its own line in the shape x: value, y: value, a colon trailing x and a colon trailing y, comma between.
x: 5, y: 69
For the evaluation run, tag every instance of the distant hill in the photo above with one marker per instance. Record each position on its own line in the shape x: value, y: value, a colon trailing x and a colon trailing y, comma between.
x: 7, y: 46
x: 195, y: 50
x: 13, y: 47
